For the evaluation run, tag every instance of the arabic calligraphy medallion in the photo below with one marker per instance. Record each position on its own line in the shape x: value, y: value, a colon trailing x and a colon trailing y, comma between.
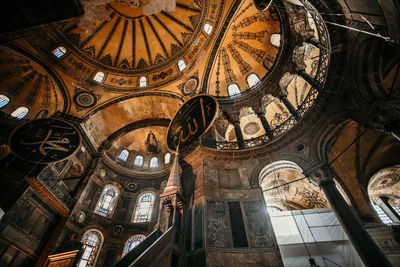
x: 191, y: 121
x: 45, y: 140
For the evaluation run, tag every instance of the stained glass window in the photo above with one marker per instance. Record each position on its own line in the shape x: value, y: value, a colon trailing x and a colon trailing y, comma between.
x: 253, y: 80
x: 107, y: 201
x: 233, y: 90
x: 59, y: 51
x: 382, y: 214
x: 132, y: 242
x: 138, y: 161
x: 181, y: 64
x: 208, y: 28
x: 167, y: 158
x: 99, y: 76
x: 144, y: 207
x: 92, y: 241
x: 20, y: 112
x: 4, y: 100
x: 123, y: 155
x: 154, y: 162
x: 143, y: 81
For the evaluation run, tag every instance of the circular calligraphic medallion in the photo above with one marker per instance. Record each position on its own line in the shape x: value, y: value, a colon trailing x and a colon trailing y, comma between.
x: 45, y: 140
x: 191, y: 121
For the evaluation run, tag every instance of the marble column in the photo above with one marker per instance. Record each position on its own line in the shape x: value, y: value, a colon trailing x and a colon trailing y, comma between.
x: 239, y: 134
x: 265, y: 124
x: 307, y: 77
x: 290, y: 107
x: 369, y: 252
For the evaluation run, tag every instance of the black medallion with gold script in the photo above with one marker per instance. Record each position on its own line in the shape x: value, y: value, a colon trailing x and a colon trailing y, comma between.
x: 45, y: 140
x: 191, y: 121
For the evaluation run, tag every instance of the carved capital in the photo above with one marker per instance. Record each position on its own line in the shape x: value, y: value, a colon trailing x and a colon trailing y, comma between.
x: 320, y: 174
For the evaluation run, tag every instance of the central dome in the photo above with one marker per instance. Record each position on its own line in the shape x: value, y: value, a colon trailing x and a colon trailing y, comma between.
x: 125, y: 41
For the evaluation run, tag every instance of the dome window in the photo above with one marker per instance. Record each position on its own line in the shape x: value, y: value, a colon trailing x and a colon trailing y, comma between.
x: 143, y: 81
x: 208, y: 28
x: 233, y: 90
x: 138, y: 161
x: 276, y: 40
x: 20, y: 112
x: 4, y: 100
x: 123, y: 156
x: 167, y: 158
x: 253, y: 80
x: 59, y: 51
x: 154, y: 162
x: 181, y: 64
x: 99, y: 77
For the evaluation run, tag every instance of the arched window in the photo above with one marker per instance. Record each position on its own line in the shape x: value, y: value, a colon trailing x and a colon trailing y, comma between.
x: 233, y: 90
x: 143, y: 81
x: 4, y: 100
x: 92, y: 241
x: 20, y: 112
x: 276, y: 40
x: 107, y: 201
x: 253, y: 80
x: 181, y: 64
x: 123, y: 155
x: 144, y: 207
x: 208, y: 28
x: 132, y: 242
x: 99, y: 76
x: 167, y: 158
x: 154, y: 162
x: 42, y: 114
x: 138, y: 161
x: 59, y: 51
x: 382, y: 214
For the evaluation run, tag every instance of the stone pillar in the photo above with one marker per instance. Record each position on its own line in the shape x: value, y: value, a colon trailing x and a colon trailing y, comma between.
x: 314, y: 41
x: 383, y: 202
x: 290, y: 107
x: 265, y: 124
x: 365, y: 246
x: 239, y: 134
x: 306, y: 77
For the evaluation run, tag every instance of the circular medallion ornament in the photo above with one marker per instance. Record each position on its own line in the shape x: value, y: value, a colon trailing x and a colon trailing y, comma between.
x: 85, y: 99
x: 131, y: 186
x: 190, y: 86
x: 80, y: 217
x: 251, y: 128
x: 102, y: 173
x: 163, y: 184
x: 191, y: 121
x: 45, y: 140
x: 118, y: 229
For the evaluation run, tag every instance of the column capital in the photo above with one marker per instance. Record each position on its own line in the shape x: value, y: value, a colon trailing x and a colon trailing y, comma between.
x: 320, y: 174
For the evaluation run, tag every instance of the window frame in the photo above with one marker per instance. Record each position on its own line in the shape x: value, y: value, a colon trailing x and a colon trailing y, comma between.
x: 210, y: 27
x: 58, y: 49
x: 127, y: 155
x: 179, y: 64
x: 151, y: 160
x: 100, y: 240
x: 103, y: 78
x: 150, y: 214
x: 169, y: 158
x: 18, y: 117
x: 8, y: 100
x: 254, y: 85
x: 145, y: 81
x: 134, y: 161
x: 114, y: 199
x: 234, y: 95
